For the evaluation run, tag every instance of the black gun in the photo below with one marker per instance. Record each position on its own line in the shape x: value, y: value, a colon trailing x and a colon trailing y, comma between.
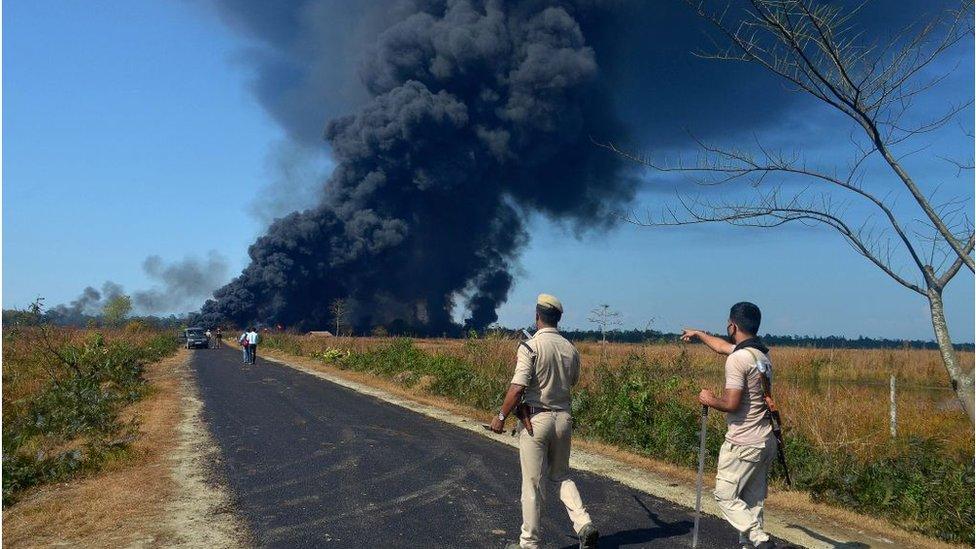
x: 777, y: 423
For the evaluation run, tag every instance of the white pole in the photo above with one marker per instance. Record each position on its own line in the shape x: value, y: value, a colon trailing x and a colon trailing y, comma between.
x: 701, y: 474
x: 894, y: 409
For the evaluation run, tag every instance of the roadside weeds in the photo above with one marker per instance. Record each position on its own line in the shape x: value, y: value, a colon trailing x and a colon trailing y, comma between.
x: 119, y: 505
x: 159, y: 496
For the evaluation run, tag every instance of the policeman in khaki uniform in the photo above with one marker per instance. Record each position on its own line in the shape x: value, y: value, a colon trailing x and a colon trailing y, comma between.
x: 750, y: 445
x: 548, y: 366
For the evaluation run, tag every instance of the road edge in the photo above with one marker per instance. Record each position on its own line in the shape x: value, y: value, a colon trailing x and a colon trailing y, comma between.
x: 201, y: 512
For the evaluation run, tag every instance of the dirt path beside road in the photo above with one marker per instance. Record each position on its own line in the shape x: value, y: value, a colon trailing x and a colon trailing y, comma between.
x: 159, y: 496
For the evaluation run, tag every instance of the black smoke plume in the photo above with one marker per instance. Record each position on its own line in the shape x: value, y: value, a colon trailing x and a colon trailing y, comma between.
x: 478, y: 115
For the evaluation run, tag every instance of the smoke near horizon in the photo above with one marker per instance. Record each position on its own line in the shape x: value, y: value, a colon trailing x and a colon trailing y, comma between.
x: 88, y: 304
x: 179, y: 287
x: 479, y: 114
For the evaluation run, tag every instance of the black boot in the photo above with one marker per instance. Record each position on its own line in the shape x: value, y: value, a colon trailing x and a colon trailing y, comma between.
x: 589, y: 537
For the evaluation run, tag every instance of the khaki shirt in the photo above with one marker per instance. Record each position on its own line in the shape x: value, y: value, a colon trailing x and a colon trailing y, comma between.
x: 548, y: 371
x: 748, y: 425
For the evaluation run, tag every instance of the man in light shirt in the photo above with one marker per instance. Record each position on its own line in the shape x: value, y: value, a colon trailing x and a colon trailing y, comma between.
x: 252, y: 344
x: 548, y: 366
x: 745, y: 458
x: 242, y: 339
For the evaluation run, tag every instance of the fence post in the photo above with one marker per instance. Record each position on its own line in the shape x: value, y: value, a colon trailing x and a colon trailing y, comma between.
x: 893, y: 422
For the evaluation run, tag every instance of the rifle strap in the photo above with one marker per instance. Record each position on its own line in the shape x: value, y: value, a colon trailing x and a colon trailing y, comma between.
x: 772, y: 412
x: 774, y: 418
x: 521, y: 403
x: 532, y: 354
x: 763, y: 379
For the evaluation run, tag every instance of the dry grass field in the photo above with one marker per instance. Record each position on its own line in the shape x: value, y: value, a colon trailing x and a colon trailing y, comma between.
x: 109, y: 508
x: 838, y: 398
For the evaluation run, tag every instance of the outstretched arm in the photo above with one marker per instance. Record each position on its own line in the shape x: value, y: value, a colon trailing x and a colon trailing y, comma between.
x: 715, y: 343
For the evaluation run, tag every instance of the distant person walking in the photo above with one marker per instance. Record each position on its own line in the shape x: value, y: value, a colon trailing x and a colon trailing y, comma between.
x: 209, y: 339
x: 242, y: 339
x: 750, y: 445
x: 252, y: 344
x: 219, y: 335
x: 547, y: 368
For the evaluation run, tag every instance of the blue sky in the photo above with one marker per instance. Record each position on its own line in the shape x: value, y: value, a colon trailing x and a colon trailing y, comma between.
x: 130, y: 130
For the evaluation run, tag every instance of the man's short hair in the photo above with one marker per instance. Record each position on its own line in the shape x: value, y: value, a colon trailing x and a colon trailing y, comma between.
x: 746, y: 316
x: 548, y: 315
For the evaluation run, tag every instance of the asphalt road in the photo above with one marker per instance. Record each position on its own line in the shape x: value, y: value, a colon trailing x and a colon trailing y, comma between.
x: 310, y: 464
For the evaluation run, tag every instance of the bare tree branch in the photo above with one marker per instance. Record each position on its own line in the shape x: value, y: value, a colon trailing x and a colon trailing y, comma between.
x: 813, y: 47
x: 771, y: 212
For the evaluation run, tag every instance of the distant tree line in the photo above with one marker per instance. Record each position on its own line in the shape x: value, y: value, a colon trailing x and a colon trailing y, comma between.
x: 56, y: 316
x: 817, y: 342
x: 114, y: 316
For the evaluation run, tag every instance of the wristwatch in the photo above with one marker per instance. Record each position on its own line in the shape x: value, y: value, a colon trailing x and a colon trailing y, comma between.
x: 501, y: 416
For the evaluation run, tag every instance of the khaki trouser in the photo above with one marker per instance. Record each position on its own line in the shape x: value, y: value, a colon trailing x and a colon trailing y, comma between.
x: 740, y: 486
x: 546, y: 456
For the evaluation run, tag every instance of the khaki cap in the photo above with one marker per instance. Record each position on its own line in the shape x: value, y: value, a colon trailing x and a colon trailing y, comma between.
x: 547, y: 300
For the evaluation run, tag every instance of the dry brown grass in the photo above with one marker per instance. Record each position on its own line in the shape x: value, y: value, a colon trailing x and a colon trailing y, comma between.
x: 28, y: 365
x: 123, y: 504
x: 913, y: 367
x: 837, y: 398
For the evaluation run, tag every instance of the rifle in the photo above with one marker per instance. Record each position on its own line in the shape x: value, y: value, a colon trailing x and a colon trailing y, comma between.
x: 775, y: 420
x: 523, y: 410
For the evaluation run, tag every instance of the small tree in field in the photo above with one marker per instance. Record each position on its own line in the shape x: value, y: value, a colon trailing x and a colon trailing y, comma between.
x: 604, y: 317
x: 817, y: 50
x: 340, y: 312
x: 116, y: 309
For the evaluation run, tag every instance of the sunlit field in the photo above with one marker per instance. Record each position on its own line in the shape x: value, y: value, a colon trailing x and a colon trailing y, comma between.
x: 838, y: 397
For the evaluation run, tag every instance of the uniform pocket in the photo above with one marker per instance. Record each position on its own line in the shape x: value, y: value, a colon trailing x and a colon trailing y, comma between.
x: 750, y: 454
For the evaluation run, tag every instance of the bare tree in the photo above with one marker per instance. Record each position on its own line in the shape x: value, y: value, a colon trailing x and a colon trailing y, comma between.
x: 604, y: 317
x: 818, y: 51
x: 340, y: 312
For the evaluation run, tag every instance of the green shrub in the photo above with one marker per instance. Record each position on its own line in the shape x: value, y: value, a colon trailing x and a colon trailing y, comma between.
x: 916, y: 483
x: 72, y: 424
x: 636, y: 409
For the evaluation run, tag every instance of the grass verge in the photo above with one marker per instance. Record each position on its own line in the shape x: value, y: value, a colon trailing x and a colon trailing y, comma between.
x: 124, y: 503
x: 64, y: 395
